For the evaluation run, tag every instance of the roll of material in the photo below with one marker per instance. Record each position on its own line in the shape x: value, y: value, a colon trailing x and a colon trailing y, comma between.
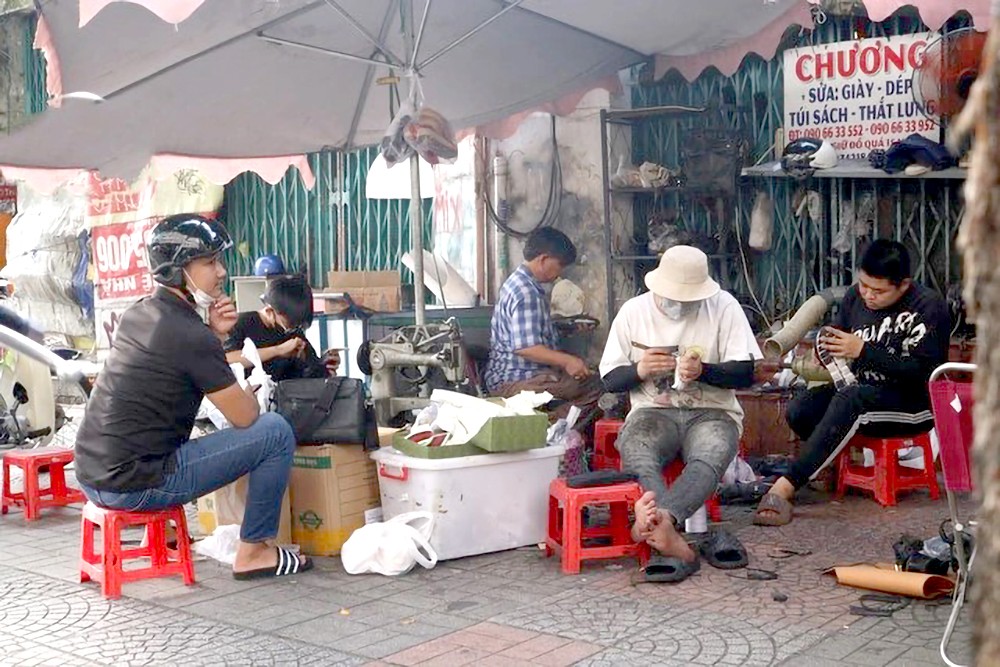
x: 889, y: 580
x: 809, y: 314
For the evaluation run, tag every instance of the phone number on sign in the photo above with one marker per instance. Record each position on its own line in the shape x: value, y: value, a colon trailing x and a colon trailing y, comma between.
x: 875, y: 129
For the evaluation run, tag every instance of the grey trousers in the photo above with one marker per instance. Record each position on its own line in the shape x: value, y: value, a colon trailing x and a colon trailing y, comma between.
x: 652, y: 438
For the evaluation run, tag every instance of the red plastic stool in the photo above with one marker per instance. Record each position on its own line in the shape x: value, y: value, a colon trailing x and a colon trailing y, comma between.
x: 606, y: 457
x: 887, y: 477
x: 108, y: 565
x: 566, y: 530
x: 34, y: 498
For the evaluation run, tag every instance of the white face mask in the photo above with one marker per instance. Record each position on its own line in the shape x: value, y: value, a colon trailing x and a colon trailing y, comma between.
x: 202, y: 299
x: 676, y: 310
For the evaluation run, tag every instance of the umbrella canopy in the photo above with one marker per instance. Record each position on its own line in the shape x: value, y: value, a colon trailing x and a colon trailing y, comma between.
x: 279, y: 77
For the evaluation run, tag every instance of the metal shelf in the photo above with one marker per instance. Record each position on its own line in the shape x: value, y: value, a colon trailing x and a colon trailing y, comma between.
x: 645, y: 191
x: 852, y: 169
x: 635, y: 118
x: 656, y: 258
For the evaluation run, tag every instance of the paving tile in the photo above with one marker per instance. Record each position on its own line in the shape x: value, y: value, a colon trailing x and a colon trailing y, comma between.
x: 535, y: 647
x: 876, y: 652
x: 502, y: 661
x: 325, y: 631
x: 503, y: 632
x: 422, y: 652
x: 377, y: 643
x: 457, y: 658
x: 568, y: 654
x: 478, y: 641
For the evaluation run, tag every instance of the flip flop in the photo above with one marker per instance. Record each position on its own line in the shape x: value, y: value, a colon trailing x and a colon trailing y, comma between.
x: 780, y: 511
x: 722, y: 550
x: 289, y: 563
x: 669, y: 569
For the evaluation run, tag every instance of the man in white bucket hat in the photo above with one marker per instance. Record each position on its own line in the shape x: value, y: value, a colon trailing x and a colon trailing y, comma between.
x: 680, y: 350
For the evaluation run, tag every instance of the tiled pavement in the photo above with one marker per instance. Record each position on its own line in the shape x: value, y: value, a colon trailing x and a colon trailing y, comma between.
x: 512, y: 608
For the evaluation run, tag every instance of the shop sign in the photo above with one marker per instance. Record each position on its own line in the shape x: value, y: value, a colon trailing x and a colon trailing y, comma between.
x: 856, y: 94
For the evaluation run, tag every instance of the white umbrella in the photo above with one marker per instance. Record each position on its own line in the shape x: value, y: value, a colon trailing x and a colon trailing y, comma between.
x: 280, y: 77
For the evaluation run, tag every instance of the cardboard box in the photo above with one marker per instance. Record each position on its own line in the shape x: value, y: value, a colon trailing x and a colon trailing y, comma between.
x: 377, y: 290
x: 334, y: 492
x: 224, y: 507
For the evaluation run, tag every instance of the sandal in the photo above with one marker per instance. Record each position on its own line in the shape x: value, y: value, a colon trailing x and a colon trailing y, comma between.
x: 773, y: 510
x: 670, y: 569
x: 722, y: 550
x: 289, y: 563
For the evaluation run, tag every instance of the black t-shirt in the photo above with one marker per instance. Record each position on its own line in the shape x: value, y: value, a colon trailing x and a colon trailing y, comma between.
x: 903, y: 343
x: 162, y: 363
x: 250, y: 325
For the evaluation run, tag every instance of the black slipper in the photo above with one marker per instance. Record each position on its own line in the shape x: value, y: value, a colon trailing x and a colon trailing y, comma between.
x: 722, y: 550
x: 669, y: 569
x: 289, y: 563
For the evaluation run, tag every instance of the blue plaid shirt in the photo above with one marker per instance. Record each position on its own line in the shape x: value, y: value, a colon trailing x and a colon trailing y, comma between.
x: 521, y: 319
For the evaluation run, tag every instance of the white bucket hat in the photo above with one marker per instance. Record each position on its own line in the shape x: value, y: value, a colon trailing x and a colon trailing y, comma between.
x: 682, y: 275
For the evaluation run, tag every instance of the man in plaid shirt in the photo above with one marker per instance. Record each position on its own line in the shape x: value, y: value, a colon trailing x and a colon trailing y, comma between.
x: 523, y: 352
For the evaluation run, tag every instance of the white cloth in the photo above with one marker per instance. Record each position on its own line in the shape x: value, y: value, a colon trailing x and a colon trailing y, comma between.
x: 719, y: 330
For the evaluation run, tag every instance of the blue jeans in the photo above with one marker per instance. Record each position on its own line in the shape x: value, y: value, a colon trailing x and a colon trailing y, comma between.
x: 205, y: 464
x: 705, y: 438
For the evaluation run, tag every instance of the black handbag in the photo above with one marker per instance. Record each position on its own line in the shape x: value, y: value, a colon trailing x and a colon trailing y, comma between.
x: 327, y: 410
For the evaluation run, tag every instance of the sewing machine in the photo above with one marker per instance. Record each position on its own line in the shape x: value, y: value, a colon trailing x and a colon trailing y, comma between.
x: 406, y: 361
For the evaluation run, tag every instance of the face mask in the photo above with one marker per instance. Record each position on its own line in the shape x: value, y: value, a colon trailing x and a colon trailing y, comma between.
x: 202, y: 299
x: 676, y: 310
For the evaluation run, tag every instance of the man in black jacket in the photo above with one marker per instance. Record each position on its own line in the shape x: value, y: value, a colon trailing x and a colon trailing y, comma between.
x: 888, y: 336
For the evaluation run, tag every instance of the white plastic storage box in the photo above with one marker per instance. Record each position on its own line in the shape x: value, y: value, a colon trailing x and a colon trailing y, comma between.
x: 480, y: 504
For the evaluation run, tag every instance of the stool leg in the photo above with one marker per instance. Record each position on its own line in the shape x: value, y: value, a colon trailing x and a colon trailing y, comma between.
x: 572, y: 536
x: 842, y: 462
x: 885, y: 475
x: 57, y: 481
x: 111, y: 558
x: 5, y: 492
x: 184, y: 546
x: 31, y: 492
x: 86, y: 547
x: 714, y: 509
x: 555, y: 528
x: 156, y: 534
x: 621, y: 530
x: 930, y: 472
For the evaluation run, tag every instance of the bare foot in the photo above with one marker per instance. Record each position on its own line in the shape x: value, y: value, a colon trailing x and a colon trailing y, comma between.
x: 782, y: 488
x: 668, y: 541
x: 646, y: 515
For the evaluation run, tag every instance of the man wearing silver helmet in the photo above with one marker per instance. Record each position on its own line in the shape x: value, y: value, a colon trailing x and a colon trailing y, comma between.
x: 133, y: 449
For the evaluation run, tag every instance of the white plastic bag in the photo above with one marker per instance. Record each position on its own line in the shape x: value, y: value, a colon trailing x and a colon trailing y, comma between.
x: 761, y: 223
x: 392, y: 547
x: 221, y: 545
x: 257, y: 377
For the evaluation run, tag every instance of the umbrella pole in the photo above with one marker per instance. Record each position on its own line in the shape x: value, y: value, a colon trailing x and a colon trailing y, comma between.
x: 417, y: 233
